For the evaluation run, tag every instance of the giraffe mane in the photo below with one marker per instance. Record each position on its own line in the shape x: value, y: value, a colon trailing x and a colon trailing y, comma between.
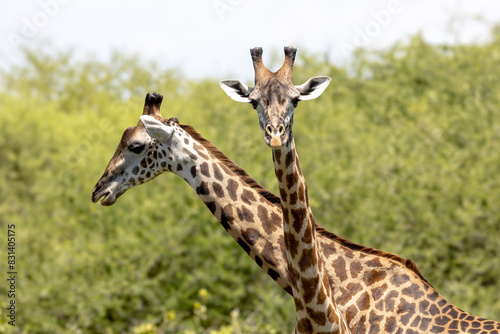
x: 275, y: 200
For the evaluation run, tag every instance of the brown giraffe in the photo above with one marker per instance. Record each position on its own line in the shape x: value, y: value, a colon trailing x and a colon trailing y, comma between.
x: 378, y: 291
x: 316, y: 309
x: 376, y: 295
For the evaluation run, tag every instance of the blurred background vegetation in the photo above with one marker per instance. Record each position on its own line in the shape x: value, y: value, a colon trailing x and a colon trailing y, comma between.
x: 401, y: 153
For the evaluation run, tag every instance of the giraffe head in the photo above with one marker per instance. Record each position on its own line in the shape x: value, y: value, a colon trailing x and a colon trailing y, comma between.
x: 274, y: 95
x: 143, y: 153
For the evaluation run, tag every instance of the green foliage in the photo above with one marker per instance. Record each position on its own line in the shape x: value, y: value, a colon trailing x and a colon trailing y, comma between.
x: 400, y: 153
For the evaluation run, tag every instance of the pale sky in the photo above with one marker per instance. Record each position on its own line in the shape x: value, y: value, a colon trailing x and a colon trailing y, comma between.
x: 213, y: 37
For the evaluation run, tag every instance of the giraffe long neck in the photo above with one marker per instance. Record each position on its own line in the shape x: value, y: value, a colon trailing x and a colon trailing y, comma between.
x: 248, y: 212
x: 313, y: 295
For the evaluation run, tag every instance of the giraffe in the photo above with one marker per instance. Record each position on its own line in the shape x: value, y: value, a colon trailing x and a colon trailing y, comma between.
x: 316, y: 309
x: 378, y: 292
x: 375, y: 296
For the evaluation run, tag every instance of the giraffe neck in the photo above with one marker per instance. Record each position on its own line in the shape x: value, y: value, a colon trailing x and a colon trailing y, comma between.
x: 313, y: 295
x: 248, y: 212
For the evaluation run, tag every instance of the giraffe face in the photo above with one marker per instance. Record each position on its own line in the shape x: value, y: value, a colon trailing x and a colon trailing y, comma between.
x: 143, y: 153
x: 274, y: 96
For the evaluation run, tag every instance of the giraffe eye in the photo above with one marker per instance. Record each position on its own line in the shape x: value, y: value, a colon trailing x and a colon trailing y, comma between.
x: 295, y: 102
x: 254, y: 104
x: 136, y: 148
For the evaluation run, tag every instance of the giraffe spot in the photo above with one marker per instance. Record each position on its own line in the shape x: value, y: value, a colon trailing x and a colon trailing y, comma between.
x: 374, y: 263
x: 275, y: 276
x: 277, y: 157
x: 292, y: 244
x: 410, y: 331
x: 390, y: 301
x: 416, y: 321
x: 293, y: 198
x: 217, y: 174
x: 423, y: 307
x: 155, y: 155
x: 202, y: 189
x: 354, y: 269
x: 307, y: 238
x: 289, y: 158
x: 474, y: 324
x: 193, y: 171
x: 321, y: 297
x: 186, y: 141
x: 350, y: 313
x: 135, y: 170
x: 363, y: 302
x: 268, y: 254
x: 413, y: 291
x: 304, y: 326
x: 247, y: 197
x: 390, y: 324
x: 258, y: 260
x: 373, y: 276
x: 143, y: 172
x: 424, y: 323
x: 200, y: 150
x: 189, y: 153
x: 309, y: 287
x: 434, y: 310
x: 298, y: 304
x: 291, y: 180
x: 433, y: 296
x: 245, y: 214
x: 407, y: 311
x: 298, y: 216
x: 339, y: 265
x: 218, y: 190
x: 307, y: 259
x: 163, y: 164
x: 227, y: 217
x: 243, y: 245
x: 283, y: 195
x: 144, y: 163
x: 318, y: 317
x: 302, y: 192
x: 279, y: 175
x: 380, y: 305
x: 204, y: 169
x: 398, y: 280
x: 232, y: 187
x: 346, y: 294
x: 251, y: 236
x: 375, y: 321
x: 150, y: 161
x: 160, y: 156
x: 378, y: 292
x: 164, y: 153
x: 211, y: 206
x: 179, y: 167
x: 464, y: 325
x: 454, y: 325
x: 148, y: 175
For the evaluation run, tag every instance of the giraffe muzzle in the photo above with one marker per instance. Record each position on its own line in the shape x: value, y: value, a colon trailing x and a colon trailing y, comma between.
x: 275, y: 136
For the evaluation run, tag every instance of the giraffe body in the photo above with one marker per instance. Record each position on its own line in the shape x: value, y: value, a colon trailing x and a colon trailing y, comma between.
x: 378, y: 292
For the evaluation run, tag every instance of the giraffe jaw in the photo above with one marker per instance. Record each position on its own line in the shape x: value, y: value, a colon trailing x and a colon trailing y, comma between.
x: 108, y: 196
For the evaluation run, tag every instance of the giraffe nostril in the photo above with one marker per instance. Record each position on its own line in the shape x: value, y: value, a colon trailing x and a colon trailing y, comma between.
x: 281, y: 130
x: 269, y: 129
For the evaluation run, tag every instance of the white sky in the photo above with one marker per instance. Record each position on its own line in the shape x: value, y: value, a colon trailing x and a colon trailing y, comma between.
x: 213, y: 37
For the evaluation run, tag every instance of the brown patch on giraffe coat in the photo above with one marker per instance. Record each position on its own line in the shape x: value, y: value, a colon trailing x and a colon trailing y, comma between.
x: 251, y: 236
x: 373, y: 276
x: 270, y: 223
x: 302, y: 191
x: 318, y: 317
x: 398, y: 280
x: 268, y: 254
x: 291, y: 180
x: 193, y: 171
x: 191, y: 154
x: 200, y: 150
x: 245, y: 214
x: 413, y: 291
x: 232, y: 187
x: 217, y: 174
x: 227, y: 217
x: 304, y: 326
x: 211, y: 206
x: 298, y: 304
x: 298, y: 216
x: 218, y: 190
x: 354, y: 269
x: 247, y: 197
x: 309, y: 287
x: 289, y: 158
x: 292, y: 244
x: 202, y: 189
x: 204, y: 169
x: 363, y: 302
x: 390, y: 324
x: 308, y: 236
x: 135, y: 170
x: 283, y: 195
x: 279, y: 175
x: 339, y: 265
x: 390, y: 300
x: 406, y: 310
x: 375, y: 321
x: 307, y: 259
x: 179, y: 167
x: 378, y: 292
x: 293, y: 198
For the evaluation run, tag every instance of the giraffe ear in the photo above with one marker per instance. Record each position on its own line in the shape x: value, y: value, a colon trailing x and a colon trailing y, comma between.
x: 236, y: 90
x: 156, y: 129
x: 313, y: 88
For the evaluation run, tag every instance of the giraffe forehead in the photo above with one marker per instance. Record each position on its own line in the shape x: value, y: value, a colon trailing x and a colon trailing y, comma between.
x: 275, y: 90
